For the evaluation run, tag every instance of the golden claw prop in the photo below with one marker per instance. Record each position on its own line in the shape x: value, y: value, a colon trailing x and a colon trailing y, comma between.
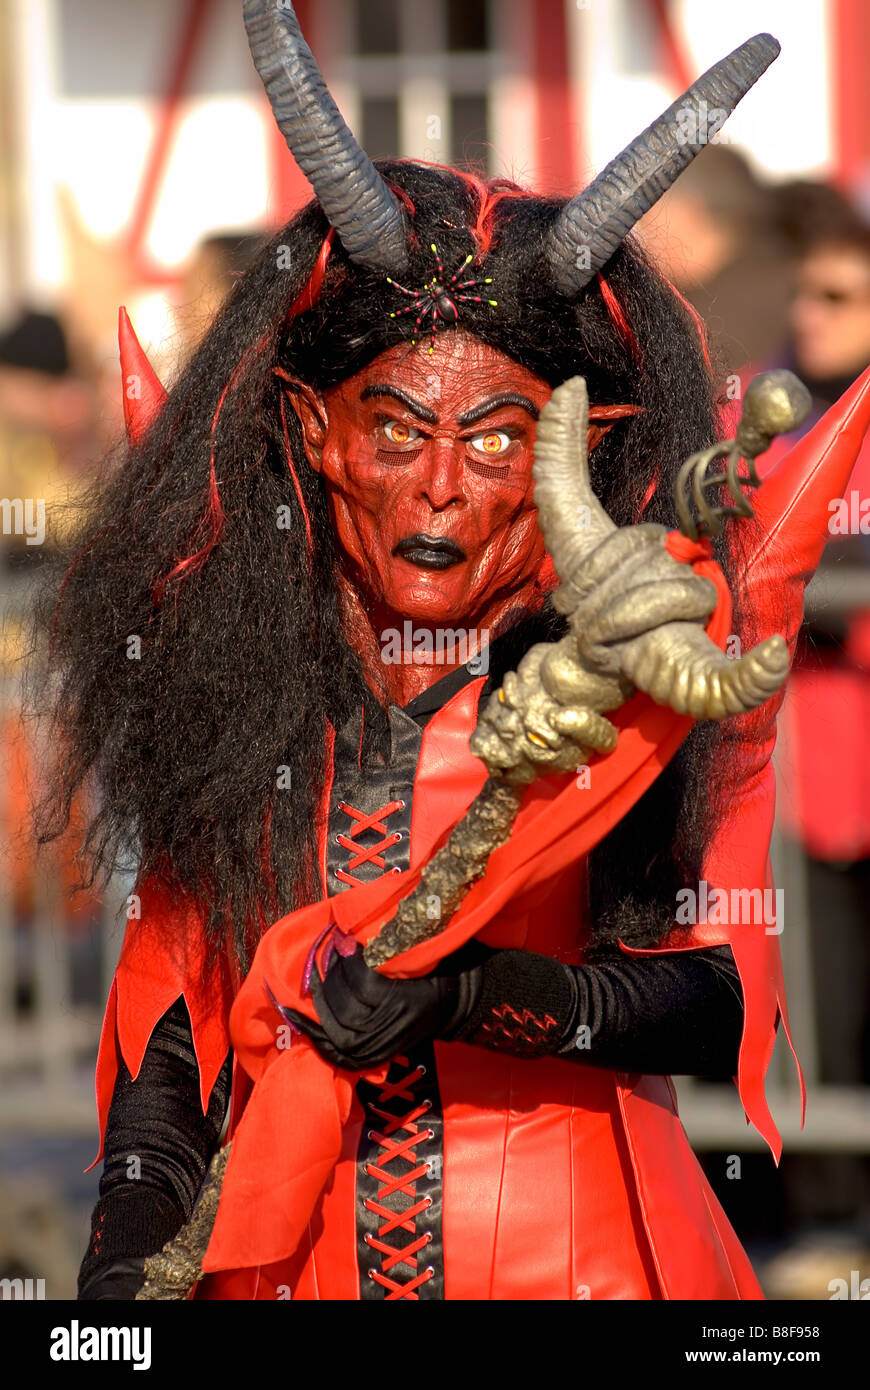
x: 636, y: 622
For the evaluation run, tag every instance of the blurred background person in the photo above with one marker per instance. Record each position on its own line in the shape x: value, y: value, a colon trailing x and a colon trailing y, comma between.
x: 830, y: 310
x: 719, y: 241
x: 46, y: 419
x: 213, y: 269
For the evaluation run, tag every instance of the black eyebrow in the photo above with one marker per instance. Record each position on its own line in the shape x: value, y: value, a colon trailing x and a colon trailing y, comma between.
x: 421, y: 411
x: 494, y: 403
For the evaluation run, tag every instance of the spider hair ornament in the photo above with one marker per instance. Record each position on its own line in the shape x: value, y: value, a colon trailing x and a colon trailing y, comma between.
x: 438, y: 297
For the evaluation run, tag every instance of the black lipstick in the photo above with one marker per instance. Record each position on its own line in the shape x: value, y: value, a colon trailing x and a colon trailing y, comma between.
x: 430, y: 552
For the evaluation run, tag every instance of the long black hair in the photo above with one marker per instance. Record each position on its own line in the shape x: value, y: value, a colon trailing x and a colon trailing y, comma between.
x: 241, y: 655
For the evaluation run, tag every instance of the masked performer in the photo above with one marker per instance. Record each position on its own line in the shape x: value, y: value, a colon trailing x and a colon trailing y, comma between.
x: 347, y: 461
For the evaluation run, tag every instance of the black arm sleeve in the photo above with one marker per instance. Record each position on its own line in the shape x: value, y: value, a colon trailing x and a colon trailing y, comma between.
x: 158, y: 1147
x: 668, y: 1015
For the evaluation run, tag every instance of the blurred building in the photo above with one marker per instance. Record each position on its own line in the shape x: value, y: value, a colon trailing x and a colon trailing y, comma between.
x: 135, y: 130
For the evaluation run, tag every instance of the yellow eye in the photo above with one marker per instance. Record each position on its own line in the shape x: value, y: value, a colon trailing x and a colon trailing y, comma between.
x: 493, y: 442
x: 399, y: 433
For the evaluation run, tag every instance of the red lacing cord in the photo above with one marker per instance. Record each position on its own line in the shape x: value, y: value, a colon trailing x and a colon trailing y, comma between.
x: 98, y: 1235
x: 359, y: 854
x: 394, y: 1255
x: 512, y: 1027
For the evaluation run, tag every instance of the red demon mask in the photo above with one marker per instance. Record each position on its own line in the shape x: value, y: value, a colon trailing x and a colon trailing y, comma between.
x: 427, y: 461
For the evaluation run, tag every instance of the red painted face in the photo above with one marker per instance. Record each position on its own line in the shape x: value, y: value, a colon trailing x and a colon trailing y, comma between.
x: 427, y: 460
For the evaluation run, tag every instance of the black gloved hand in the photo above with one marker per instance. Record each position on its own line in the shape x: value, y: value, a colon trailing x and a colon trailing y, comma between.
x: 119, y: 1281
x: 366, y: 1018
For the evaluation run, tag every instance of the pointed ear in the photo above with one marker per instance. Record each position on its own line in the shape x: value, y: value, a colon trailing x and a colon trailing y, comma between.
x: 310, y: 409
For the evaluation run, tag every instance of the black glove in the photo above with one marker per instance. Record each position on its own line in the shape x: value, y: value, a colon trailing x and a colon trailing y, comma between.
x: 119, y: 1281
x: 366, y: 1019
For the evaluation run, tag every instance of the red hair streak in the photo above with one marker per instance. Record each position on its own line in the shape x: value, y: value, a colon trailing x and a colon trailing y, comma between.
x: 310, y: 292
x: 309, y: 539
x: 618, y: 319
x: 488, y: 195
x: 213, y: 521
x: 696, y: 319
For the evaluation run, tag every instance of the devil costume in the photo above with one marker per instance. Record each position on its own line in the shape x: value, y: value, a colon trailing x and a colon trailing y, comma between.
x: 489, y: 1115
x: 678, y: 1014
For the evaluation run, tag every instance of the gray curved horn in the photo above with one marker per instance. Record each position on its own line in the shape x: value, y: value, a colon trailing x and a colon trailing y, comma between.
x: 591, y: 227
x: 367, y: 217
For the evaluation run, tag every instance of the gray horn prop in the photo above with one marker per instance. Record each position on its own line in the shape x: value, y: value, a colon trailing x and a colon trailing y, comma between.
x: 591, y: 227
x: 364, y: 212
